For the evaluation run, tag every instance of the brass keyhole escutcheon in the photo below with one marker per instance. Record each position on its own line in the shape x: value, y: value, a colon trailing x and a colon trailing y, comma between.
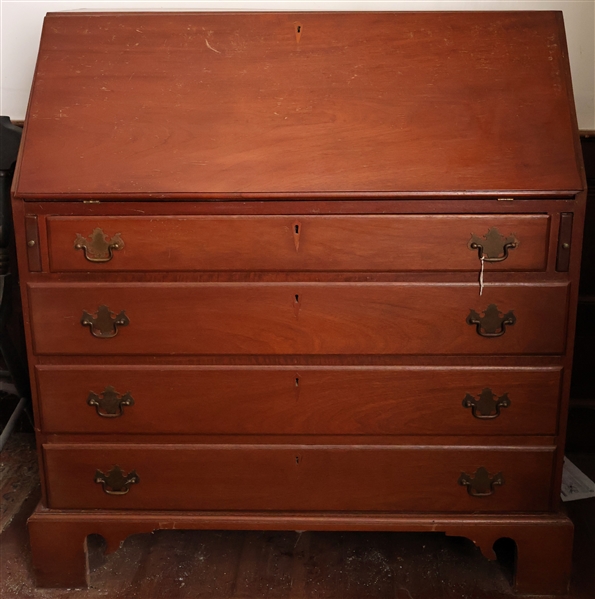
x: 98, y: 247
x: 109, y: 404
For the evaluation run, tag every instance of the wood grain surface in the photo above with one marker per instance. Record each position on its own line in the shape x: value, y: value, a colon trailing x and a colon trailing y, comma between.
x: 300, y: 243
x: 298, y: 477
x: 221, y: 105
x: 303, y: 400
x: 299, y: 352
x: 300, y: 318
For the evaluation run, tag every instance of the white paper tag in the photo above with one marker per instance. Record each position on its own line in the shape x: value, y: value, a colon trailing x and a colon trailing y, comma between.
x: 575, y: 483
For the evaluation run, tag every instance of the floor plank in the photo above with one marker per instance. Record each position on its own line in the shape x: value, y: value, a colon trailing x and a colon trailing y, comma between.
x: 18, y: 475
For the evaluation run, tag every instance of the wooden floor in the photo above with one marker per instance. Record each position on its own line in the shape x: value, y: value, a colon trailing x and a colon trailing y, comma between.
x: 18, y: 476
x: 254, y: 565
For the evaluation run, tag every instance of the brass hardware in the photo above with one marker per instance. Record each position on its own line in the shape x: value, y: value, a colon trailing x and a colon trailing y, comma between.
x: 109, y: 404
x: 98, y: 248
x: 33, y: 247
x: 493, y: 247
x: 487, y: 407
x: 564, y: 241
x: 481, y: 484
x: 105, y: 323
x: 115, y: 482
x: 492, y: 323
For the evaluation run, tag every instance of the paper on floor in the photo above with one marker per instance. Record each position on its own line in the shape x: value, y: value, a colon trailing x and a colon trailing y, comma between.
x: 575, y: 483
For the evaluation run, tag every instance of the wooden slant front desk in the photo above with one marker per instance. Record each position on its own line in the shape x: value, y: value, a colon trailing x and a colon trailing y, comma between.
x: 250, y: 249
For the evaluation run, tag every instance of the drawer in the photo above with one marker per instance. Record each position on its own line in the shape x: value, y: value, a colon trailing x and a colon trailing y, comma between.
x: 297, y: 477
x: 297, y: 318
x: 295, y: 243
x: 300, y: 400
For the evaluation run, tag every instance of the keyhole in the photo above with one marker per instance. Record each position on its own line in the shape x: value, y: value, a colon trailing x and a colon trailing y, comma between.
x: 297, y: 382
x: 299, y: 28
x: 297, y: 459
x: 297, y: 227
x: 296, y: 305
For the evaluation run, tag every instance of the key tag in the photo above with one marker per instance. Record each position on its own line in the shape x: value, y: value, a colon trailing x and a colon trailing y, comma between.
x: 482, y: 260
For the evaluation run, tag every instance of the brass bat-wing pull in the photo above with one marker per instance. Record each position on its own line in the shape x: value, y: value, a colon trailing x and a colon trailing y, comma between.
x: 115, y: 482
x: 480, y: 484
x: 488, y: 406
x: 493, y: 323
x: 493, y: 247
x: 109, y: 404
x: 104, y: 324
x: 99, y: 247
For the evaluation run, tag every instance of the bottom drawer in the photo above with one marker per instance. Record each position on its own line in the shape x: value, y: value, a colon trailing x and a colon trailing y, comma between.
x: 298, y: 477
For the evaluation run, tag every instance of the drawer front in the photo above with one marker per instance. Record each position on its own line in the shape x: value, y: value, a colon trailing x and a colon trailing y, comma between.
x: 295, y: 243
x: 299, y: 400
x: 300, y: 318
x: 297, y: 477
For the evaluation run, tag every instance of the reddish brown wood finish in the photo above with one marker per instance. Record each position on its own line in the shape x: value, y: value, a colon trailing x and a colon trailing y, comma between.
x: 544, y: 542
x: 298, y: 477
x: 303, y: 318
x: 33, y: 249
x: 224, y: 105
x: 303, y: 400
x: 299, y: 243
x: 385, y: 138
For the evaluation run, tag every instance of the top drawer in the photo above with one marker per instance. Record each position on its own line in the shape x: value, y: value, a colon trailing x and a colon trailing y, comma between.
x: 380, y: 243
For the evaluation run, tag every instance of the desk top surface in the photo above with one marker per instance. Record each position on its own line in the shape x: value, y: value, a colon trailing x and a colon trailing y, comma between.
x: 263, y: 105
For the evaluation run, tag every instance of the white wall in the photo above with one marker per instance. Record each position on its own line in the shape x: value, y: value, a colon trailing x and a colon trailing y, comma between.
x: 21, y: 22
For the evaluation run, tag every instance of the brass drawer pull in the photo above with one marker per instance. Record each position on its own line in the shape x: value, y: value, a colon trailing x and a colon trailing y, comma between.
x: 99, y: 247
x: 104, y: 324
x: 481, y: 484
x: 115, y: 482
x: 487, y: 407
x: 492, y: 323
x: 109, y: 404
x: 493, y: 247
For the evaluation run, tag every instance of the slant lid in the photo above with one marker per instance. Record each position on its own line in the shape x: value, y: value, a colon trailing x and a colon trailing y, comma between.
x: 187, y: 105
